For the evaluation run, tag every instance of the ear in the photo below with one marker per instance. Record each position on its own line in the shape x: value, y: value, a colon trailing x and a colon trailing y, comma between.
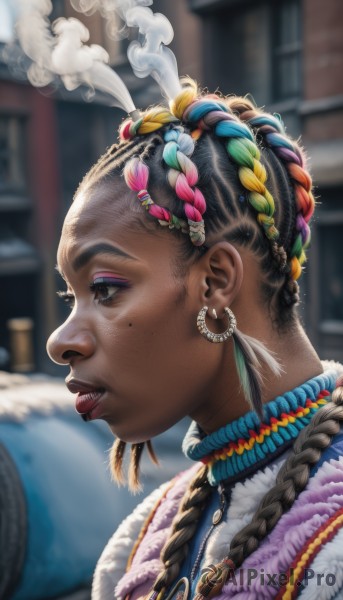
x: 219, y: 277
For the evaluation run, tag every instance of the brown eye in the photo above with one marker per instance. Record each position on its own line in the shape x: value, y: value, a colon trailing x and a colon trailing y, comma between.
x: 103, y: 293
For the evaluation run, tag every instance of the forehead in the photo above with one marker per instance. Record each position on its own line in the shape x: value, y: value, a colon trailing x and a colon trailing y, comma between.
x: 98, y: 207
x: 102, y: 210
x: 110, y: 212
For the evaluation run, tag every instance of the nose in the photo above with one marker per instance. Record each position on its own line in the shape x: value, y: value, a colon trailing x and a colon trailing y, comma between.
x: 69, y: 343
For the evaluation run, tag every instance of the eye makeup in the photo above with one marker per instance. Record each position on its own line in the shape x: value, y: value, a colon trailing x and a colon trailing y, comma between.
x: 108, y: 278
x: 105, y: 286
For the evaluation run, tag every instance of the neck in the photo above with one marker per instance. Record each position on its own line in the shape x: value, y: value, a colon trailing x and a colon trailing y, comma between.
x: 239, y: 448
x: 299, y: 362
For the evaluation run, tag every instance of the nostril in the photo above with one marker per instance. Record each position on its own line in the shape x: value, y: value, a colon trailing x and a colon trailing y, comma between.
x: 68, y: 354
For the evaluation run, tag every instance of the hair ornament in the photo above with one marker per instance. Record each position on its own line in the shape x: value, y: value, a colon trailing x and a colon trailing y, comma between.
x: 213, y: 577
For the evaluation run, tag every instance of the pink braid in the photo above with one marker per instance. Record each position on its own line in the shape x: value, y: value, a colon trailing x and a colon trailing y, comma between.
x: 136, y: 175
x: 183, y: 177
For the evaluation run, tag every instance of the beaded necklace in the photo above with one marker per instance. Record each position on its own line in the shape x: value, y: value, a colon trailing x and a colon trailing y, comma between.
x: 246, y: 444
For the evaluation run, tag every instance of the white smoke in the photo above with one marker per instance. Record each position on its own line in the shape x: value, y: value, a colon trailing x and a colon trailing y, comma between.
x: 110, y: 10
x: 59, y: 50
x: 150, y: 55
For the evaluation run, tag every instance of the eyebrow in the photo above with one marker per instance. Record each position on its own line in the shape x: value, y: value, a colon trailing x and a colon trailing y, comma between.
x: 85, y: 256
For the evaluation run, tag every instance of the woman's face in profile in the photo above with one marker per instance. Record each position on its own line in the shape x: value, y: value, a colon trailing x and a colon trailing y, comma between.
x: 136, y: 358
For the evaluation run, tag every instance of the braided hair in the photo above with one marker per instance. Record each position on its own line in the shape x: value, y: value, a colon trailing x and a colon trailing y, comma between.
x: 229, y: 172
x: 291, y: 480
x: 224, y: 183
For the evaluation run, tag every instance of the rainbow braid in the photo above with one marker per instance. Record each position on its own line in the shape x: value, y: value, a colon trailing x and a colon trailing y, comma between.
x: 136, y: 174
x: 272, y: 130
x: 150, y: 121
x: 211, y: 113
x: 183, y: 176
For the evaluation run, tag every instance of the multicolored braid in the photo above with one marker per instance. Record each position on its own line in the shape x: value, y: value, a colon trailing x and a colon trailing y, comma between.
x: 210, y: 113
x: 150, y: 121
x: 272, y: 130
x: 183, y: 176
x: 136, y: 175
x: 213, y: 113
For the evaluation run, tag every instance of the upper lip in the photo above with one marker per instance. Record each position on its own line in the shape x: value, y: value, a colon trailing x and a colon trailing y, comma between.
x: 76, y: 386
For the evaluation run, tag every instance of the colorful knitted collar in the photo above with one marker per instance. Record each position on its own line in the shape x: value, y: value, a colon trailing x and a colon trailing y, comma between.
x: 246, y: 444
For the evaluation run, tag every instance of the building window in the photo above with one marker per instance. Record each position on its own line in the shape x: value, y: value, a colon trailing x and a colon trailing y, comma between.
x: 324, y: 278
x: 12, y: 175
x: 6, y: 22
x: 287, y: 49
x: 332, y: 274
x: 330, y: 233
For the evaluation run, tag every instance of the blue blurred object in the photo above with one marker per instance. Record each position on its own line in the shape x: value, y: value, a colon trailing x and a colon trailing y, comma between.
x: 56, y: 496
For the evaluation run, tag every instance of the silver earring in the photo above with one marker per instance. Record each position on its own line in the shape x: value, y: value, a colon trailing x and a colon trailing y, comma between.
x: 216, y: 337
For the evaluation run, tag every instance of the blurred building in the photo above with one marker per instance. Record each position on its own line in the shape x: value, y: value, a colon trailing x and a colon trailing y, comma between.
x: 288, y: 54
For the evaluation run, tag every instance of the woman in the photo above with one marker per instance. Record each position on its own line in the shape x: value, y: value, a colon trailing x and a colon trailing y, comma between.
x: 201, y: 321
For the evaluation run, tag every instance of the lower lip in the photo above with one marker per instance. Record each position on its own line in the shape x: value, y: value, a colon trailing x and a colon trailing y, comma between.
x: 86, y: 402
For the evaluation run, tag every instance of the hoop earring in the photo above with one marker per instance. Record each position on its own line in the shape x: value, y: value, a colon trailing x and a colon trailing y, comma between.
x: 216, y: 338
x: 249, y: 353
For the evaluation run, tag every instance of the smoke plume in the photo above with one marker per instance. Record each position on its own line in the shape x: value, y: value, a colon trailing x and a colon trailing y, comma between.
x: 59, y: 50
x: 149, y: 55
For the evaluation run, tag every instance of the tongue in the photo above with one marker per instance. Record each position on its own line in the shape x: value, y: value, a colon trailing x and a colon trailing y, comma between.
x: 85, y: 402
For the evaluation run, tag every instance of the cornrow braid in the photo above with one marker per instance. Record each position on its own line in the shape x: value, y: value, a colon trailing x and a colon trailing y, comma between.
x: 273, y: 133
x: 291, y: 480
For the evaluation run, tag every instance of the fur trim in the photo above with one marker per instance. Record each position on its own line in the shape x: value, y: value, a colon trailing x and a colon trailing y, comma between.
x: 318, y: 502
x: 332, y: 365
x: 149, y: 550
x: 113, y: 560
x: 327, y: 562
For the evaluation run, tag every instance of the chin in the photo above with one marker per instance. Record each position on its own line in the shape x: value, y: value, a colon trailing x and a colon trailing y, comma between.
x: 128, y: 437
x: 136, y: 436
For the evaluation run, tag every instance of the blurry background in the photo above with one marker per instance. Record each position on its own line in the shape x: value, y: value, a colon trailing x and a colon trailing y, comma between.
x: 288, y: 54
x: 60, y: 507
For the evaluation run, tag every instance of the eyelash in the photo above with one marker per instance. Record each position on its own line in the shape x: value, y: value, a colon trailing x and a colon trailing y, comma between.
x: 98, y: 287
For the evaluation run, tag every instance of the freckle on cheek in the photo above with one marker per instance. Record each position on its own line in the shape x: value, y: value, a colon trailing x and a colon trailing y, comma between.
x: 130, y: 324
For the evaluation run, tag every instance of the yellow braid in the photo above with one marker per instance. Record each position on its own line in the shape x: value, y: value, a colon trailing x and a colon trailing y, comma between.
x: 188, y: 95
x: 154, y: 119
